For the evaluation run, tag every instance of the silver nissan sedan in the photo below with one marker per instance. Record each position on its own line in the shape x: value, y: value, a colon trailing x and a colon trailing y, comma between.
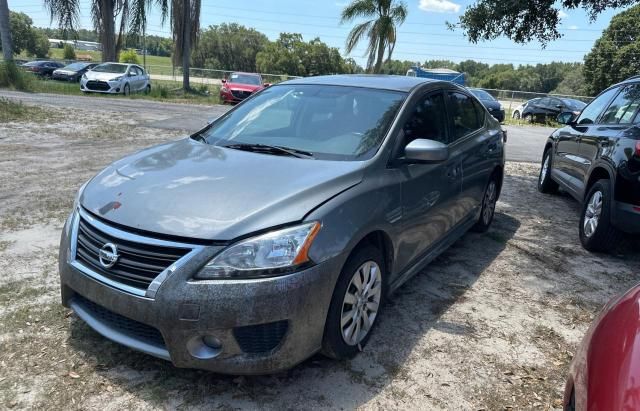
x: 281, y: 228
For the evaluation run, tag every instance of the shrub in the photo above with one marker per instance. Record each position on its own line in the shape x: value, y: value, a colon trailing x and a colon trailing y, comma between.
x: 12, y: 77
x: 69, y: 53
x: 129, y: 56
x: 40, y: 46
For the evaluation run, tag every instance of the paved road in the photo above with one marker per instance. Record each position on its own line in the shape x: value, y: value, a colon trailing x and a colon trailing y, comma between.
x: 525, y: 143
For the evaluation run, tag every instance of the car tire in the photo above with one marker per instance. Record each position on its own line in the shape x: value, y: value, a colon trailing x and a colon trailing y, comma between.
x: 516, y: 115
x: 147, y: 90
x: 488, y: 207
x: 597, y: 233
x: 545, y: 182
x: 352, y: 294
x: 528, y: 118
x: 126, y: 90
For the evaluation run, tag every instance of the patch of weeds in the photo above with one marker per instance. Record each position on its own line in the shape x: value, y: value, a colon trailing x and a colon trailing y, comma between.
x: 16, y: 111
x: 4, y: 245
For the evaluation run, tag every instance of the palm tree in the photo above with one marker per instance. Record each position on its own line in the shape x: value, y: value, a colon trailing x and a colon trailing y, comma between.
x: 185, y: 25
x: 384, y: 16
x: 5, y: 31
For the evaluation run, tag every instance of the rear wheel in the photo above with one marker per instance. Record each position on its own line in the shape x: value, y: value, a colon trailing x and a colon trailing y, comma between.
x: 596, y: 231
x: 488, y: 209
x: 147, y: 90
x: 528, y: 118
x: 545, y: 183
x: 516, y: 115
x: 355, y: 305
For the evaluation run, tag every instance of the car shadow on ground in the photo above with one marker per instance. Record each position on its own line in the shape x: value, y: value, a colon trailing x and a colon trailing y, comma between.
x: 413, y: 311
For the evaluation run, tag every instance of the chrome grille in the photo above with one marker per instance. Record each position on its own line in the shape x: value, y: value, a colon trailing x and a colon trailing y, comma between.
x: 138, y: 265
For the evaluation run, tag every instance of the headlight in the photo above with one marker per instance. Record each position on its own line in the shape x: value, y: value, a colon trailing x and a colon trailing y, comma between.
x: 117, y: 78
x: 267, y: 255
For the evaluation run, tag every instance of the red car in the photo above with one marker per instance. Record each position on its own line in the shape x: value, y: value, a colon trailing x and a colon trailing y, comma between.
x: 605, y: 373
x: 240, y: 86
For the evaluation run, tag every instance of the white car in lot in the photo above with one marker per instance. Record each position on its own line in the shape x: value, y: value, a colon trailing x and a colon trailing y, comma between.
x: 116, y: 78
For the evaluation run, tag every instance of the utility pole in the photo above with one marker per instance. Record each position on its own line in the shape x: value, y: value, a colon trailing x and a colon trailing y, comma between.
x: 5, y: 31
x: 144, y: 48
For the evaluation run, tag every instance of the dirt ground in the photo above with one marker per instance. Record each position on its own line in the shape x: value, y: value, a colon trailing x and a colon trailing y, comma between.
x: 491, y: 324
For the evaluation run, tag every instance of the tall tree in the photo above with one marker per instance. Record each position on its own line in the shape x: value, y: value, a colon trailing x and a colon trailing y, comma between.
x: 523, y: 21
x: 381, y: 28
x: 616, y: 55
x: 185, y: 24
x: 5, y: 31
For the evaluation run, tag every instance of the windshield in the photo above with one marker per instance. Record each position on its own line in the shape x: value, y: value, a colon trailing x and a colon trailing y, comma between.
x: 76, y: 66
x: 482, y: 95
x: 574, y: 104
x: 110, y: 68
x: 330, y: 122
x: 245, y: 79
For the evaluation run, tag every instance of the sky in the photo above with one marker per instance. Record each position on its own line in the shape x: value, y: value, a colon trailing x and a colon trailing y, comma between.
x: 423, y: 36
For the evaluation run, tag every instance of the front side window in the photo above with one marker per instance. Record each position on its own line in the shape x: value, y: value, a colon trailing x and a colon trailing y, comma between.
x: 623, y: 107
x: 330, y: 122
x: 591, y: 113
x: 464, y: 113
x: 428, y: 120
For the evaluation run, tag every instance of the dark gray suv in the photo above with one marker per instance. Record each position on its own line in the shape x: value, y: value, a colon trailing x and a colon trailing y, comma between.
x: 279, y: 230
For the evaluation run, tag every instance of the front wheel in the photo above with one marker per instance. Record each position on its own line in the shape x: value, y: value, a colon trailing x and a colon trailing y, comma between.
x: 596, y: 231
x: 355, y: 305
x: 528, y: 118
x: 126, y: 90
x: 516, y: 115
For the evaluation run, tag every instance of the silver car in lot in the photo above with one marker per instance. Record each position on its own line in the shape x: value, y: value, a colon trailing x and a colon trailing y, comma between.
x: 116, y: 78
x: 281, y: 228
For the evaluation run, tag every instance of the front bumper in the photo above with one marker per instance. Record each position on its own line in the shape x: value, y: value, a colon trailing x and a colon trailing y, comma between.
x: 184, y: 311
x: 65, y: 77
x: 101, y: 86
x: 229, y: 97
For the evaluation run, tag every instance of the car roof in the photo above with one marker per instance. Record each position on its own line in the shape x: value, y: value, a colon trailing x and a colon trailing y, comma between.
x: 377, y: 81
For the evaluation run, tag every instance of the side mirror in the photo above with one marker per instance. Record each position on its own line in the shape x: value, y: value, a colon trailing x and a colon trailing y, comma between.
x: 559, y: 106
x: 266, y: 85
x: 224, y: 81
x: 566, y: 118
x: 132, y: 73
x: 425, y: 151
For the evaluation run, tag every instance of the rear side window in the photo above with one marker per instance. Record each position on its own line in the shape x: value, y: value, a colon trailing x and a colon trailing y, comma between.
x: 623, y: 107
x: 591, y: 113
x: 465, y: 115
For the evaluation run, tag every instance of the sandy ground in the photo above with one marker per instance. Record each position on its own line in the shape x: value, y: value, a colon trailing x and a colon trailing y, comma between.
x: 491, y: 324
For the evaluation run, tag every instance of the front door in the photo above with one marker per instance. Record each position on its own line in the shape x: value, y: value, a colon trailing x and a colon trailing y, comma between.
x: 429, y: 191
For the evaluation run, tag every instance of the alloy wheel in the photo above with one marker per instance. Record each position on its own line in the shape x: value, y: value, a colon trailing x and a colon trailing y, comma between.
x: 361, y: 302
x: 592, y: 214
x: 545, y: 169
x: 489, y: 202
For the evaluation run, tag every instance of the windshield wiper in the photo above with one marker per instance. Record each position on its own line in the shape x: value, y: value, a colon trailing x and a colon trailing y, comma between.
x: 265, y: 148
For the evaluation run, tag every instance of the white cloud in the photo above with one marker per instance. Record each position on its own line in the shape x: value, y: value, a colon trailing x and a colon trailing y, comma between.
x: 439, y: 6
x: 562, y: 14
x: 574, y: 27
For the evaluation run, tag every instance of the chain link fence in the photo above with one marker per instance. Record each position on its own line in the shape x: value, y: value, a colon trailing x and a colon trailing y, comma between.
x: 510, y: 99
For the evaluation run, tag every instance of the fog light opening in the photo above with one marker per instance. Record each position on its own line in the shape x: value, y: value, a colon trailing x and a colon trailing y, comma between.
x: 204, y: 347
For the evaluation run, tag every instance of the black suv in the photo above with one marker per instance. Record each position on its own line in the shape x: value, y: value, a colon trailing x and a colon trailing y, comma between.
x: 596, y: 159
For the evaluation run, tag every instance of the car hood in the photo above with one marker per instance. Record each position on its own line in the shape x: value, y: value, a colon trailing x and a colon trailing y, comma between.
x: 190, y: 189
x: 491, y: 104
x: 65, y: 72
x: 96, y: 75
x: 243, y: 87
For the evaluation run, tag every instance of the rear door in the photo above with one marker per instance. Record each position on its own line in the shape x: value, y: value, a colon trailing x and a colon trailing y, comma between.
x: 475, y: 147
x: 429, y: 191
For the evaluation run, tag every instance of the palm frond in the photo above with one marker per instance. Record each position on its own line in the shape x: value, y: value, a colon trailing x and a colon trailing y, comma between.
x: 358, y: 8
x: 65, y: 12
x: 356, y: 34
